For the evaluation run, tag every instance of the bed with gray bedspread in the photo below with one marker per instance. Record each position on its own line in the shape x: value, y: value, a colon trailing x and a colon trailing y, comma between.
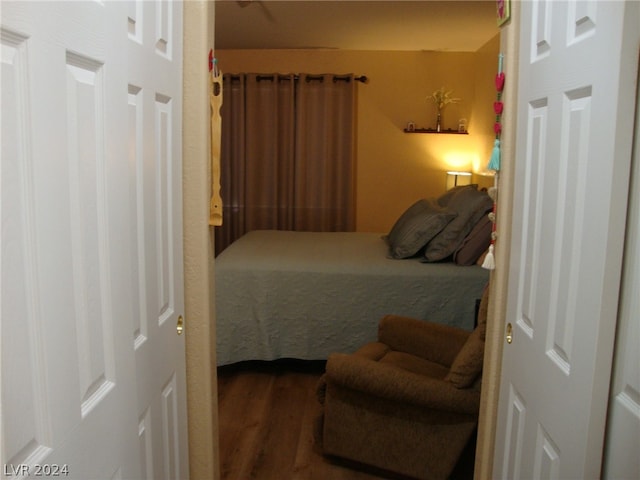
x: 304, y: 295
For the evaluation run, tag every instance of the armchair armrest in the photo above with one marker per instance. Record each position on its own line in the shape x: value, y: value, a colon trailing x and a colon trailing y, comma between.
x: 359, y: 373
x: 432, y: 341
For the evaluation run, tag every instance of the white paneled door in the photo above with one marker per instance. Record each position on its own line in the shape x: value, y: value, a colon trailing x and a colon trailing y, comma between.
x: 93, y: 377
x: 155, y: 118
x: 576, y: 89
x: 623, y: 427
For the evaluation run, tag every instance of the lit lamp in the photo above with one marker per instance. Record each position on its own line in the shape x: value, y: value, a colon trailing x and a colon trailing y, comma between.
x: 456, y: 179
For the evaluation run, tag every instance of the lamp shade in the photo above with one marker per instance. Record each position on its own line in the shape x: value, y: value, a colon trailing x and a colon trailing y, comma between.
x: 456, y: 179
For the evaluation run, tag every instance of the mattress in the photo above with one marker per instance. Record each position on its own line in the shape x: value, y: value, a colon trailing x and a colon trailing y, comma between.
x: 304, y: 295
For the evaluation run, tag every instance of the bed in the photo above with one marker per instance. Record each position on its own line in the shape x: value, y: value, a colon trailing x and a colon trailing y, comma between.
x: 304, y: 295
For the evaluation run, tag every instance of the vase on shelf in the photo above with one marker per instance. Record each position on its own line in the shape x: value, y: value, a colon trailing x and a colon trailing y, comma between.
x: 438, y: 122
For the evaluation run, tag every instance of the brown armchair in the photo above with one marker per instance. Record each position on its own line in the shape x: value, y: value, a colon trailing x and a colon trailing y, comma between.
x: 407, y: 403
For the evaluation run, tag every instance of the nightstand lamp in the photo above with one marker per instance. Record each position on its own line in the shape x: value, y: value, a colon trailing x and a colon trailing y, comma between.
x: 456, y: 179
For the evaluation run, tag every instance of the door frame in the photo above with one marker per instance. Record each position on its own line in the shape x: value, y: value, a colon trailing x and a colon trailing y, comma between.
x: 494, y: 342
x: 202, y: 393
x: 199, y: 18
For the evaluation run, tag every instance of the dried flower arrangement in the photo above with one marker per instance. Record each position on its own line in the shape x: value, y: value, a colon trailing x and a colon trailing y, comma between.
x: 442, y: 98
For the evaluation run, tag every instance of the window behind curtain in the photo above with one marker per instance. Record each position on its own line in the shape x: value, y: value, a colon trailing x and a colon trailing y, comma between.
x: 287, y: 160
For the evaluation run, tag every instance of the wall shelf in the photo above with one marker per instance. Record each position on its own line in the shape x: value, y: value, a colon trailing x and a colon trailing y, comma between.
x: 433, y: 130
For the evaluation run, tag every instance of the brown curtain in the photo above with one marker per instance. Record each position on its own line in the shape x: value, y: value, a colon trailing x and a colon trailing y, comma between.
x: 287, y: 158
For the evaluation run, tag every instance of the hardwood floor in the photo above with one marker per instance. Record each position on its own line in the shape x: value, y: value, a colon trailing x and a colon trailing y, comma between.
x: 267, y: 412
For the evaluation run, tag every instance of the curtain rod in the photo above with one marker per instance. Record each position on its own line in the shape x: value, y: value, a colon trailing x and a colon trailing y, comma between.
x: 310, y: 77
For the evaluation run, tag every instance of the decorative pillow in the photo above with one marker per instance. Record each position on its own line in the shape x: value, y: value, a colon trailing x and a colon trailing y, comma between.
x: 470, y: 205
x: 416, y: 226
x: 468, y: 363
x: 475, y: 244
x: 443, y: 199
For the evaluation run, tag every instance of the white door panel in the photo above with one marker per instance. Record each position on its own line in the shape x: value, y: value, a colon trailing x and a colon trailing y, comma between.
x: 65, y: 372
x: 70, y: 377
x: 572, y: 155
x: 623, y: 428
x: 155, y: 114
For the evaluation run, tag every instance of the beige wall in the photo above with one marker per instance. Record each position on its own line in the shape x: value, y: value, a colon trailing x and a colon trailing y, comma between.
x: 198, y: 253
x: 394, y: 169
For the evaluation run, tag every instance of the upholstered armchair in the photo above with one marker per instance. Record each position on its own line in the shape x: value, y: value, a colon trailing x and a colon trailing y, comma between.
x: 407, y: 403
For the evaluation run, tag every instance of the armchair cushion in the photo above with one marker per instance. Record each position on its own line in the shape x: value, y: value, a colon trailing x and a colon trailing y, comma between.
x: 431, y: 341
x: 373, y: 350
x: 379, y: 379
x: 412, y: 363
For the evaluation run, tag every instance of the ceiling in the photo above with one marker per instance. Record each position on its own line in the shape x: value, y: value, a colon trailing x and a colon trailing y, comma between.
x: 429, y: 25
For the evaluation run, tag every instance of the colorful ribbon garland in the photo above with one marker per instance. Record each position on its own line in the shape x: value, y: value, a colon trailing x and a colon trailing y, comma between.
x: 494, y: 162
x: 498, y: 107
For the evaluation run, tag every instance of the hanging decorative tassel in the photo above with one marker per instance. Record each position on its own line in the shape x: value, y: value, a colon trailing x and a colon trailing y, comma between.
x: 489, y: 261
x: 494, y: 163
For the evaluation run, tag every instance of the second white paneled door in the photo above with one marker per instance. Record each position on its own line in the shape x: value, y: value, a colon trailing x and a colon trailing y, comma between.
x: 154, y: 53
x: 576, y: 89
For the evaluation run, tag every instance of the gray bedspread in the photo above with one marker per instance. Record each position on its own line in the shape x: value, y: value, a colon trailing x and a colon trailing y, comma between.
x: 304, y: 295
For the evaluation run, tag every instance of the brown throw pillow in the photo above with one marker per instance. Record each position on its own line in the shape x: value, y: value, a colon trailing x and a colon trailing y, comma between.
x: 468, y: 363
x: 475, y: 244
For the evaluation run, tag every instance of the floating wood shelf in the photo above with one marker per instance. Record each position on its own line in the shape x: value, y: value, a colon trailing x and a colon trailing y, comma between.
x: 433, y: 130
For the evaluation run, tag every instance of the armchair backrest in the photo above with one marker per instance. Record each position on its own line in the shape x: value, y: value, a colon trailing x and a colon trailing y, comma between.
x: 467, y: 365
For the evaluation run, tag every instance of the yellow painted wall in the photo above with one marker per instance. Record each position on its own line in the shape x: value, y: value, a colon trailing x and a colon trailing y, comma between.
x: 394, y: 169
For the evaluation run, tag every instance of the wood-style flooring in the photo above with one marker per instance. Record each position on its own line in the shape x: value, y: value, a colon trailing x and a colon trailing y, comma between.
x: 267, y: 412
